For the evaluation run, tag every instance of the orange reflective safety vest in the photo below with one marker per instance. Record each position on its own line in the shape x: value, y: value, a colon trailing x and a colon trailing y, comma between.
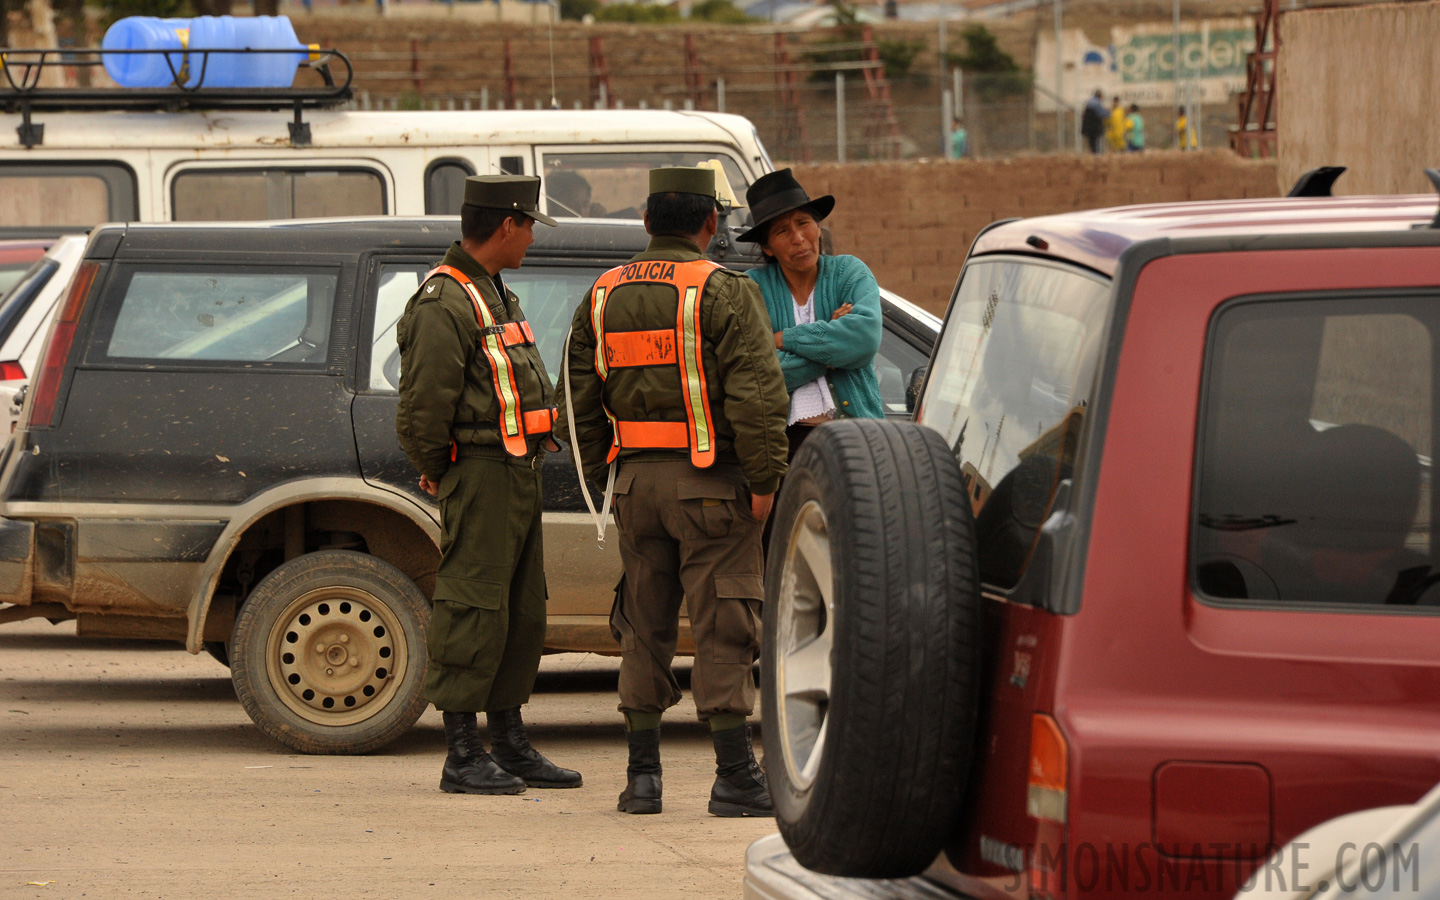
x: 678, y: 346
x: 515, y: 423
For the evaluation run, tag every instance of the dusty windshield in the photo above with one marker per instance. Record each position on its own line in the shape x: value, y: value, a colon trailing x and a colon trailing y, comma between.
x: 1008, y: 390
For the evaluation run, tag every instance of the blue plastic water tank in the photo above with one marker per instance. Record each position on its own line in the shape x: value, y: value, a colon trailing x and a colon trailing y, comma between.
x: 145, y: 70
x: 218, y: 70
x: 232, y: 70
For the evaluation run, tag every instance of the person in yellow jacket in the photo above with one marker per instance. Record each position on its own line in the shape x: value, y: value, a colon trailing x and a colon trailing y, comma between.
x: 1184, y: 137
x: 1115, y: 127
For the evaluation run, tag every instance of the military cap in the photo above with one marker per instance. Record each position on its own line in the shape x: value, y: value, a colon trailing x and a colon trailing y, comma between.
x: 683, y: 180
x: 519, y: 193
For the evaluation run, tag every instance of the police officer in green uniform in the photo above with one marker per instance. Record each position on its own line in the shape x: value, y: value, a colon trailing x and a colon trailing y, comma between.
x: 672, y: 378
x: 476, y: 406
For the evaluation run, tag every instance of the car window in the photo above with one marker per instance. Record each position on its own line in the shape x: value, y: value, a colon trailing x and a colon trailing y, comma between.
x: 56, y: 194
x: 894, y: 363
x: 14, y: 304
x: 1313, y: 480
x: 445, y: 186
x: 614, y: 185
x: 548, y: 297
x: 234, y: 195
x: 1009, y: 389
x: 280, y: 318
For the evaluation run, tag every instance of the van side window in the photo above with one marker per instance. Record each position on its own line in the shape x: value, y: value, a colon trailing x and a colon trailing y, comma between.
x: 1313, y: 480
x: 614, y: 185
x: 445, y: 186
x: 64, y: 194
x: 236, y: 315
x: 248, y: 194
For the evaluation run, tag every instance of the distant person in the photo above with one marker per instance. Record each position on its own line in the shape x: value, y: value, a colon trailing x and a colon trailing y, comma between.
x: 1184, y: 137
x: 568, y: 193
x: 892, y: 9
x: 1115, y: 127
x: 959, y: 141
x: 1092, y: 123
x: 1134, y: 130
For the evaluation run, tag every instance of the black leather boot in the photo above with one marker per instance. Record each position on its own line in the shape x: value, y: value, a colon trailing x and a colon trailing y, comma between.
x: 642, y: 787
x: 468, y: 768
x: 511, y: 748
x: 740, y: 788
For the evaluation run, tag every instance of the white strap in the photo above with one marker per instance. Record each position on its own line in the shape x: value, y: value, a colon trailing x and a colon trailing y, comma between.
x: 601, y: 518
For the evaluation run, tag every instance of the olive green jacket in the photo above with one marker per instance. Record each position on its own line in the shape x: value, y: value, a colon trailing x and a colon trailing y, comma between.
x: 447, y: 391
x: 748, y: 402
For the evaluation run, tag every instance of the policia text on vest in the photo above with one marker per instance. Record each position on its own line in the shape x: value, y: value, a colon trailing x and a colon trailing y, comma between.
x: 476, y: 405
x: 673, y: 381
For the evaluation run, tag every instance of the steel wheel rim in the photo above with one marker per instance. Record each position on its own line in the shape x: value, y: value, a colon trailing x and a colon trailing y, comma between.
x: 337, y: 644
x: 804, y: 644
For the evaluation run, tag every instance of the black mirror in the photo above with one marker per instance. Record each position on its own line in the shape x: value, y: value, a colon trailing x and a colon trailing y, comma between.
x: 913, y: 388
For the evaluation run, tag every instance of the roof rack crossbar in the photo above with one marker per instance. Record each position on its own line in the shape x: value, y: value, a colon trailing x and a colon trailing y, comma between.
x: 30, y: 64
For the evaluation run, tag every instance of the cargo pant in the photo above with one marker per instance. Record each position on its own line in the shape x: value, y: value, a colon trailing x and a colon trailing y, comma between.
x: 487, y: 629
x: 687, y: 534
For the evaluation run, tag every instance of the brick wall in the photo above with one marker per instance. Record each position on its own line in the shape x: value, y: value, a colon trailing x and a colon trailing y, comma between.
x: 912, y: 222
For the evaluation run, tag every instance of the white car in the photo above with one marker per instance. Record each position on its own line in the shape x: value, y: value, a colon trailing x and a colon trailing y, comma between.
x: 1389, y: 852
x: 25, y: 313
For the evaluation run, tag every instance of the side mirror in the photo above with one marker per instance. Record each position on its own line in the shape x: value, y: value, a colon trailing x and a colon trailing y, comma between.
x: 914, y: 386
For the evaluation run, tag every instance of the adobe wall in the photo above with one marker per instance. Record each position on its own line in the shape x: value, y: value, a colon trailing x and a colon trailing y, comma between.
x: 1357, y: 87
x: 912, y: 222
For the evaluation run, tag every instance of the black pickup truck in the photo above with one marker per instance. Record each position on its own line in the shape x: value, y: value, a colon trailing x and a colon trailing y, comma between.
x: 208, y: 454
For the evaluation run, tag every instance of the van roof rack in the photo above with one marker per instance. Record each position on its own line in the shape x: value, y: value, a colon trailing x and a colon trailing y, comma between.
x: 24, y: 94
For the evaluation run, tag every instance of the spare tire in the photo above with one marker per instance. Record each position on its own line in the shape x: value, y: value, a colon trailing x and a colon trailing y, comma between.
x: 871, y: 652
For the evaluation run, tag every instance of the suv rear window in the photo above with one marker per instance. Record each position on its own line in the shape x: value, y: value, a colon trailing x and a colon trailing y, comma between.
x: 249, y: 194
x: 279, y: 318
x: 1008, y: 390
x: 1313, y: 479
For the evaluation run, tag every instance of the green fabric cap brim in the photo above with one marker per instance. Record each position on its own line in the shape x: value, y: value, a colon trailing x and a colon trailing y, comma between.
x: 683, y: 180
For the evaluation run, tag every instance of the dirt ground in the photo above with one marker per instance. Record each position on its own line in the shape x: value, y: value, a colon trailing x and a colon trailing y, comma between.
x: 128, y: 769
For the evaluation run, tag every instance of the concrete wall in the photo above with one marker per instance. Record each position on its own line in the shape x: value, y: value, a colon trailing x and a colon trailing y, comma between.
x: 1357, y: 87
x: 912, y: 222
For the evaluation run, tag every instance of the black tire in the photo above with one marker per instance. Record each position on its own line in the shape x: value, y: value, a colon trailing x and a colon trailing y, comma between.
x: 219, y: 651
x: 895, y: 726
x: 333, y: 626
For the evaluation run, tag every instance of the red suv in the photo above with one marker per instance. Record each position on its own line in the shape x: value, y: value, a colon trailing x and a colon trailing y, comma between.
x: 1151, y: 588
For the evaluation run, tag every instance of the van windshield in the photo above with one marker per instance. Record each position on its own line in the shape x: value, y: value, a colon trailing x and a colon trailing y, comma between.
x: 1008, y: 390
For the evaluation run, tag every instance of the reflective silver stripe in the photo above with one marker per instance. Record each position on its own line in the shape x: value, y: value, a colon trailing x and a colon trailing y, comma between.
x: 690, y: 352
x: 597, y: 321
x: 509, y: 416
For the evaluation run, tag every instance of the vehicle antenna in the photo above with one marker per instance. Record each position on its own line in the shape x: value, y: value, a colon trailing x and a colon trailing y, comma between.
x: 554, y: 11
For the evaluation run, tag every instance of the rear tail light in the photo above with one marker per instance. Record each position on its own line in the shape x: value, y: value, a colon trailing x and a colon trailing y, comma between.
x: 1049, y: 770
x: 11, y: 371
x: 52, y: 368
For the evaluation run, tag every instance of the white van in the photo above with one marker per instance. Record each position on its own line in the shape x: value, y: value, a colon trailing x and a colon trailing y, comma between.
x: 194, y: 165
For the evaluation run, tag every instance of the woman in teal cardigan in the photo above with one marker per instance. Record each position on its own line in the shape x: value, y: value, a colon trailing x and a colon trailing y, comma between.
x: 825, y: 309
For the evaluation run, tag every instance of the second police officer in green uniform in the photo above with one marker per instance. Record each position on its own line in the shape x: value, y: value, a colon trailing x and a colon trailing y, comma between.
x: 476, y: 406
x: 675, y: 388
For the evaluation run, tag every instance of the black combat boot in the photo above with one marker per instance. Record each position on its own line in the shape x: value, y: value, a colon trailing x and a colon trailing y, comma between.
x: 740, y: 788
x: 468, y: 768
x: 511, y: 749
x: 642, y: 786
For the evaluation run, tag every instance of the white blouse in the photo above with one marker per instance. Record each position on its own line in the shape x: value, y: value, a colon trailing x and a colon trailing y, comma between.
x: 813, y: 400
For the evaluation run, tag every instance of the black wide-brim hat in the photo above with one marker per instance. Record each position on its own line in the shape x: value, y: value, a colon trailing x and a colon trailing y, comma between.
x: 776, y: 194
